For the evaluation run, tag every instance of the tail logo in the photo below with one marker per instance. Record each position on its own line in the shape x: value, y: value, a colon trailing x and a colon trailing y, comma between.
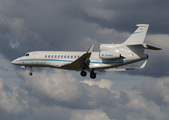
x: 137, y: 32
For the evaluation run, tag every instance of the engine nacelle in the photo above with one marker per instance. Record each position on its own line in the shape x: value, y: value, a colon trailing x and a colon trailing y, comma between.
x: 108, y: 46
x: 109, y: 55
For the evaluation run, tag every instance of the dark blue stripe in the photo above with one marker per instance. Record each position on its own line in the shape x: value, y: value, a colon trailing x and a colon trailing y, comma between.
x: 43, y: 60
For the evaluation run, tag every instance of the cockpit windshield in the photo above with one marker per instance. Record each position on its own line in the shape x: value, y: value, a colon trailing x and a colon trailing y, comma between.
x: 26, y: 54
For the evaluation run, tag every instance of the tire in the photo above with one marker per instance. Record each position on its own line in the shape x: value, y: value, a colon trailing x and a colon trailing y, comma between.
x: 83, y: 73
x: 30, y: 74
x: 93, y: 76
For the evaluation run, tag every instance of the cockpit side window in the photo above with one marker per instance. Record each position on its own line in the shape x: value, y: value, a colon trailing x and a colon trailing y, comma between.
x: 27, y: 55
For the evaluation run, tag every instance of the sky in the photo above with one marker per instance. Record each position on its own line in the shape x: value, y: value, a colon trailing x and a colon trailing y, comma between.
x: 74, y: 25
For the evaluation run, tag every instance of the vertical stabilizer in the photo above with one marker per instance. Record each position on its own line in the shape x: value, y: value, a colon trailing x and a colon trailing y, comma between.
x: 138, y: 36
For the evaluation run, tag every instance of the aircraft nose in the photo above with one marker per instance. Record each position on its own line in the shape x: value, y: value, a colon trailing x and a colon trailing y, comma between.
x: 16, y: 61
x: 13, y: 62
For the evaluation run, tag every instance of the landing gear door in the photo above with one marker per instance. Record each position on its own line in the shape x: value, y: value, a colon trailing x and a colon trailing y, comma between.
x: 34, y: 59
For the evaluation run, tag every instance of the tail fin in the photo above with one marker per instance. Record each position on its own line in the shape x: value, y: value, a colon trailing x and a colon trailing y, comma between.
x: 138, y: 36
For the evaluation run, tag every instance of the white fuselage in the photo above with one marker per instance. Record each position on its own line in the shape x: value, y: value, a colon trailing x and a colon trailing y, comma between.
x: 56, y: 59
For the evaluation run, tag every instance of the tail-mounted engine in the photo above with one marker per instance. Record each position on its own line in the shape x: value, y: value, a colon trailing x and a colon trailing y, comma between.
x: 109, y: 55
x: 107, y: 51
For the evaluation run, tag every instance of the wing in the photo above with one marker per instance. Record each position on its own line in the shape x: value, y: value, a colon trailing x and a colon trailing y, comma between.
x: 124, y: 69
x: 146, y: 46
x: 81, y: 63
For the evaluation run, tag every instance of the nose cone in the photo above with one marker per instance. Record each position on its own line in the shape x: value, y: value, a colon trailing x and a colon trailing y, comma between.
x: 13, y: 62
x: 16, y: 61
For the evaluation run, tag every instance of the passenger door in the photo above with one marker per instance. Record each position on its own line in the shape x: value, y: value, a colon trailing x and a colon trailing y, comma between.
x: 34, y: 59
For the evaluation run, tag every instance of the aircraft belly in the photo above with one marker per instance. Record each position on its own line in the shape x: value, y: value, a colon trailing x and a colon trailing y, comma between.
x: 98, y: 66
x: 112, y: 64
x: 103, y: 66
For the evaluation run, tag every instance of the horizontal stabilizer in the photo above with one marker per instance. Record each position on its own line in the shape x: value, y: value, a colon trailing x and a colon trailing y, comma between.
x: 124, y: 69
x: 152, y: 47
x: 146, y: 46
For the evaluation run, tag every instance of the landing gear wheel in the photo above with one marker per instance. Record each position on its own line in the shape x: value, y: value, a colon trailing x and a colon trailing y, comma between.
x: 92, y: 74
x: 83, y: 73
x: 30, y: 73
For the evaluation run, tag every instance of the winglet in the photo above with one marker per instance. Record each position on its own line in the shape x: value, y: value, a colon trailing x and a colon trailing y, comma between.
x: 143, y: 65
x: 90, y: 49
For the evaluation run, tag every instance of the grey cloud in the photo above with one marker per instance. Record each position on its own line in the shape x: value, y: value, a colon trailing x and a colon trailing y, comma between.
x: 16, y: 38
x: 156, y: 91
x: 151, y: 92
x: 124, y: 99
x: 11, y: 106
x: 97, y: 114
x: 60, y: 95
x: 63, y: 90
x: 4, y: 69
x: 126, y: 14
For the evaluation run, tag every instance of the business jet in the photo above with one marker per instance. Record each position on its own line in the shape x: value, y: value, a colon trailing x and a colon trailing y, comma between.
x: 109, y: 58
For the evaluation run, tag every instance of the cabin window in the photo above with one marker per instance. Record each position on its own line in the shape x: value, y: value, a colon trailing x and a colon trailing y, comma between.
x: 72, y: 56
x: 61, y: 56
x: 58, y: 56
x: 55, y: 56
x: 27, y: 55
x: 52, y: 56
x: 45, y: 56
x: 75, y: 56
x: 68, y: 56
x: 48, y: 56
x: 65, y: 56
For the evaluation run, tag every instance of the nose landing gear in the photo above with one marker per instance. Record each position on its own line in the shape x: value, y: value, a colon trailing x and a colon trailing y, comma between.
x: 30, y: 73
x: 31, y: 69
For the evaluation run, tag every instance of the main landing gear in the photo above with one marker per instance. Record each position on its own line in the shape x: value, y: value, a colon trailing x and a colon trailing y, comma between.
x: 92, y: 74
x: 31, y: 69
x: 83, y: 73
